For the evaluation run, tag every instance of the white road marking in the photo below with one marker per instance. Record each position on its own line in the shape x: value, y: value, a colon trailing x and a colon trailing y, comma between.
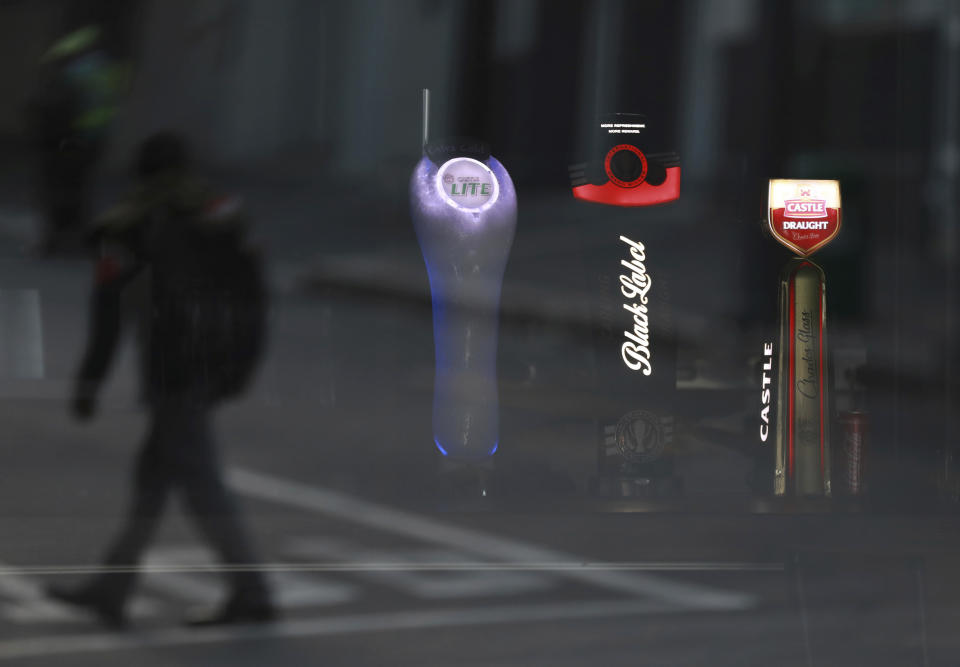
x: 292, y: 591
x: 295, y: 592
x: 21, y: 334
x: 387, y: 519
x: 327, y: 626
x: 660, y: 595
x: 186, y: 586
x: 355, y: 566
x: 426, y: 584
x: 25, y: 601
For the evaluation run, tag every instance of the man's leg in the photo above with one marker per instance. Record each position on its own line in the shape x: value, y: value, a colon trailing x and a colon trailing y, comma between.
x: 107, y: 593
x: 212, y: 506
x: 153, y: 480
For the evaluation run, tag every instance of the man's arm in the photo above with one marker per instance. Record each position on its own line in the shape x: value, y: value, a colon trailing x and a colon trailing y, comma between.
x: 114, y: 273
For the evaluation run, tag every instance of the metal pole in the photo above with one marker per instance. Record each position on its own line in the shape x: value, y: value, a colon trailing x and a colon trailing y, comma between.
x: 426, y: 117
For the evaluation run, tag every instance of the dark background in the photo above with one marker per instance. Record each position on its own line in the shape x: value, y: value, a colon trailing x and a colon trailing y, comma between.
x: 321, y: 99
x: 311, y: 111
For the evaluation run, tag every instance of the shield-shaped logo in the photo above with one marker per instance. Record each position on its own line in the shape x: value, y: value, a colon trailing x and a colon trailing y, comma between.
x: 804, y: 215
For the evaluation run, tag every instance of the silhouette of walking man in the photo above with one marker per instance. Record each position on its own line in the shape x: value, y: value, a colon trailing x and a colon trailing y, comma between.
x: 196, y: 349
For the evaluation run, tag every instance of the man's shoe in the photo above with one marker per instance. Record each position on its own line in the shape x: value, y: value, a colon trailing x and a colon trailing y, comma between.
x: 234, y: 613
x: 109, y: 612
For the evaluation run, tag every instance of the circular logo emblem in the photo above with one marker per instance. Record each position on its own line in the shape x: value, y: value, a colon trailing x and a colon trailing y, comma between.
x: 467, y: 184
x: 626, y: 165
x: 640, y: 436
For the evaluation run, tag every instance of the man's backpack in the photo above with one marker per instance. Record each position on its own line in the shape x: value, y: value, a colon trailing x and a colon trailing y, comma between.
x: 209, y: 319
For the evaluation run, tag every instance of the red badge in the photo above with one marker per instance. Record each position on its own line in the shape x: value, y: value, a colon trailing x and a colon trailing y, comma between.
x: 804, y: 215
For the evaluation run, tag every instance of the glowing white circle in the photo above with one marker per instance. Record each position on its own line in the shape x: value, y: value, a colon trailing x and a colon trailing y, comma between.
x: 467, y: 184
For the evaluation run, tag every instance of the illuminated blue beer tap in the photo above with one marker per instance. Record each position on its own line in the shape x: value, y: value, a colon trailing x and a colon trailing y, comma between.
x: 464, y: 211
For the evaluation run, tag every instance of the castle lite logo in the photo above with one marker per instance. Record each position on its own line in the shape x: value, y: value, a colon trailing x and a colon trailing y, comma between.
x: 467, y: 184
